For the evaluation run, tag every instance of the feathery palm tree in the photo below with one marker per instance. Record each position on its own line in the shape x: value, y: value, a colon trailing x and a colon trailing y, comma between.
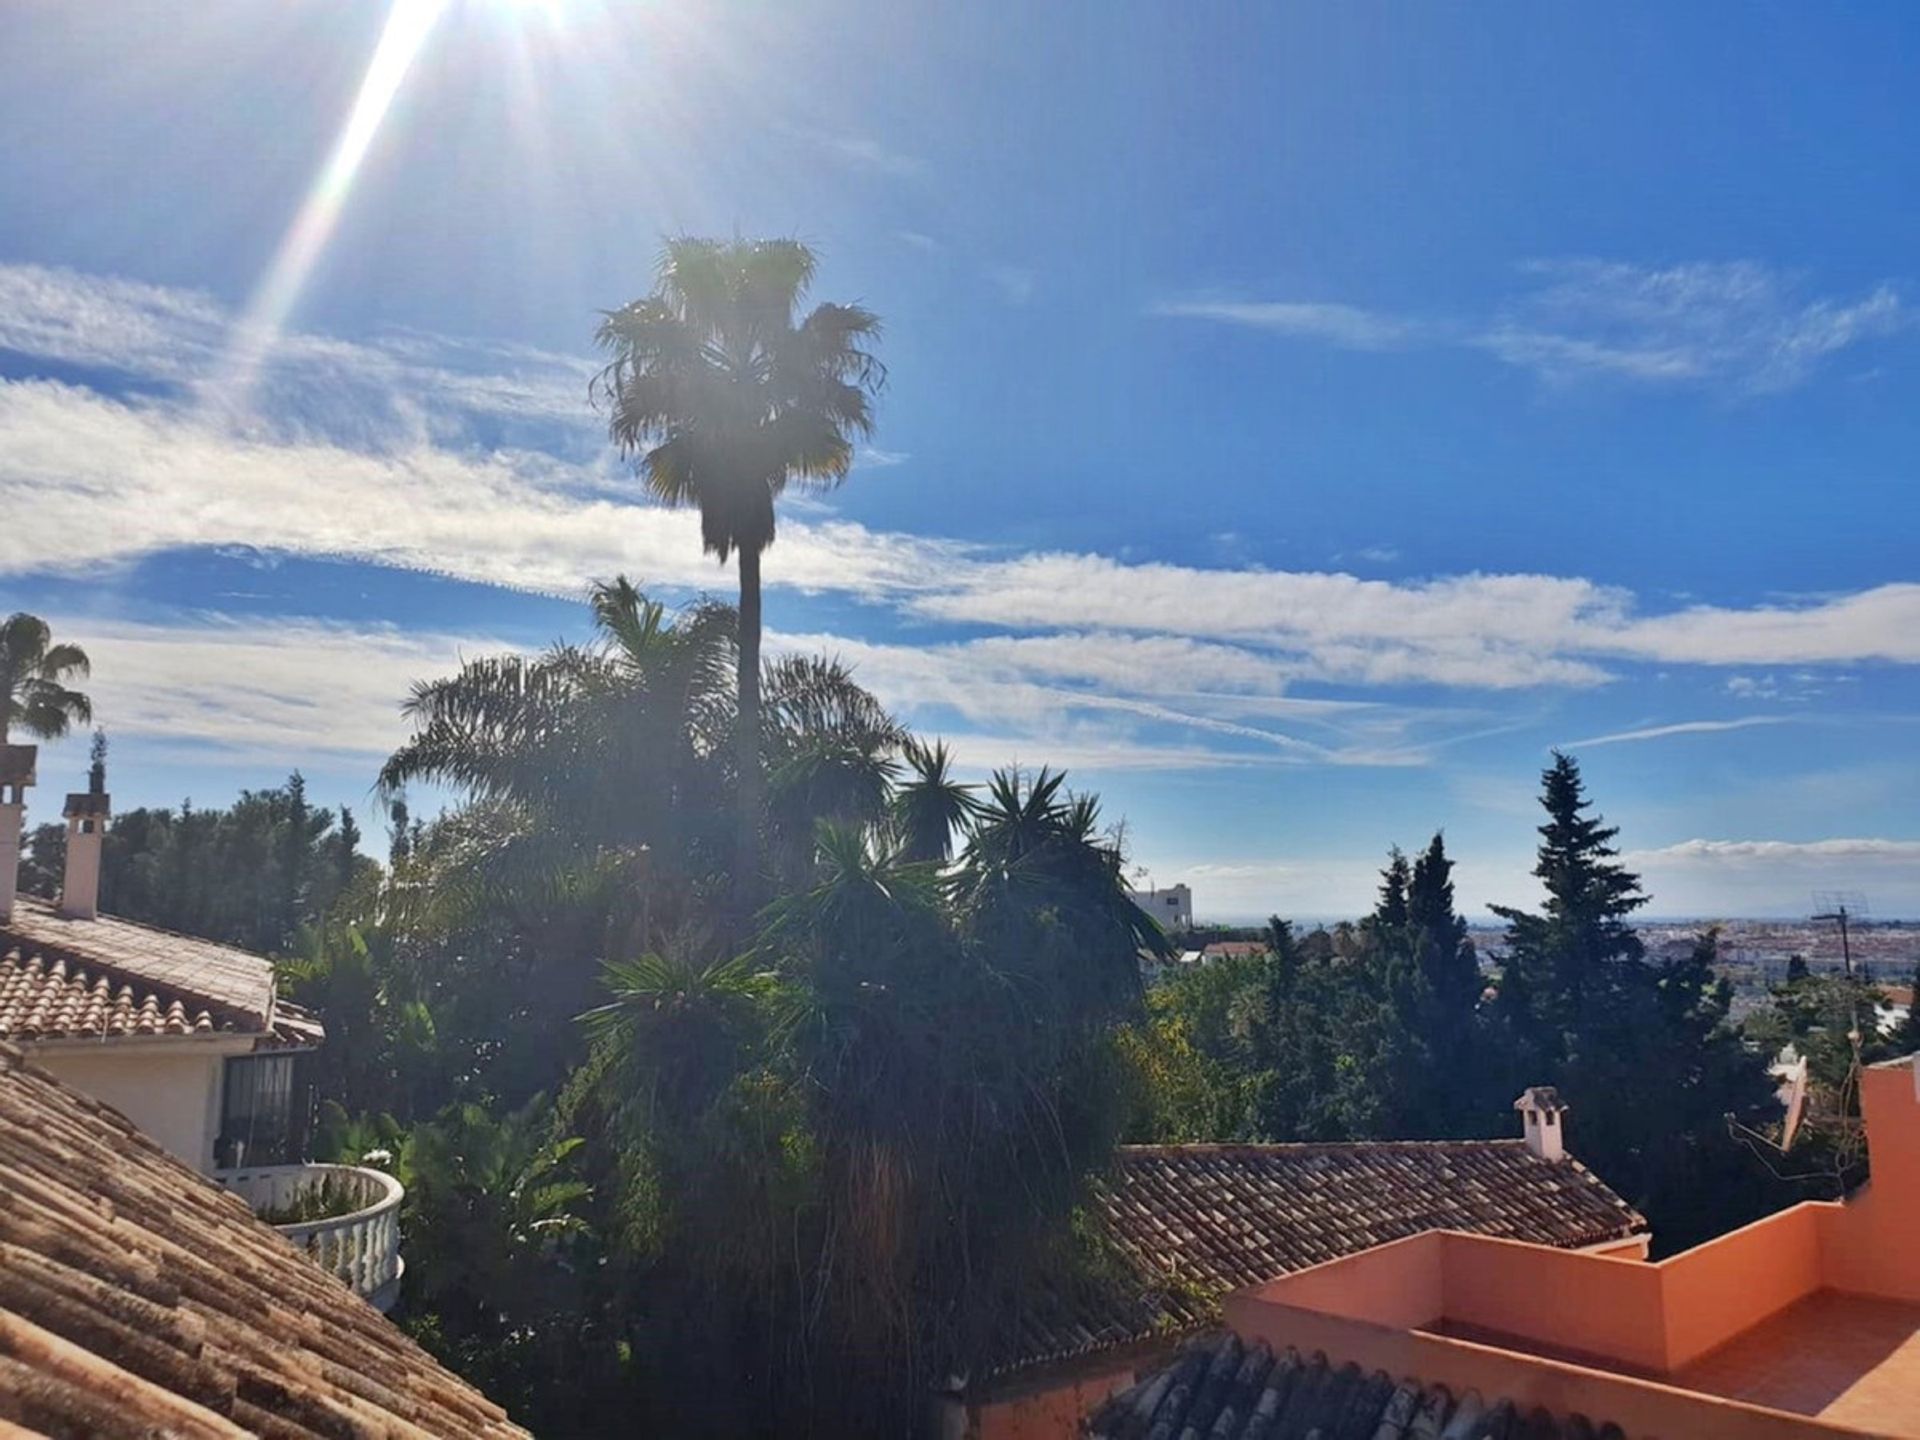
x: 930, y: 807
x: 723, y: 394
x: 590, y: 768
x: 33, y: 676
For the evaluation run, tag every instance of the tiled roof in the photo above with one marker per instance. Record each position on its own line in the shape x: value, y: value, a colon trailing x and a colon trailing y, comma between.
x: 42, y: 999
x: 1223, y: 1390
x: 138, y: 1299
x: 106, y: 978
x: 1193, y: 1222
x: 236, y: 979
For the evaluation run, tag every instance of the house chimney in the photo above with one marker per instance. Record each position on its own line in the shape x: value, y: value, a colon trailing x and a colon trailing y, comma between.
x: 87, y: 814
x: 1540, y: 1110
x: 16, y: 774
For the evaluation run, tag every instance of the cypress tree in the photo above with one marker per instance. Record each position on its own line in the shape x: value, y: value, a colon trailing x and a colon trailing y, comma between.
x: 1448, y: 966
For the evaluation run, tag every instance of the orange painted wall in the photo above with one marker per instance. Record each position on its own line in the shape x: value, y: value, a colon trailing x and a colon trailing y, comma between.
x: 1640, y: 1407
x: 1588, y: 1304
x: 1399, y: 1283
x: 1867, y: 1243
x: 1651, y: 1319
x: 1714, y: 1291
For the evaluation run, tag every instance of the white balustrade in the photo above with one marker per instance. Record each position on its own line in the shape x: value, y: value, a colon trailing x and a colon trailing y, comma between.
x: 360, y: 1245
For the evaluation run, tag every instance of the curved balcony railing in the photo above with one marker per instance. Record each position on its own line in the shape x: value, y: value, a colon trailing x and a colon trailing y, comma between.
x: 359, y: 1241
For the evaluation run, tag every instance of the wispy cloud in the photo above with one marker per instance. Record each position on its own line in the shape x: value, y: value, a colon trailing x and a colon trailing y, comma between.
x: 872, y: 457
x: 90, y: 481
x: 859, y: 152
x: 1683, y: 727
x: 1346, y: 326
x: 1736, y: 326
x: 261, y: 690
x: 394, y: 388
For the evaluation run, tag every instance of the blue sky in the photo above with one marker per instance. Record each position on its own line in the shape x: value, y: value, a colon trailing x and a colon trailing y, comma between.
x: 1299, y: 421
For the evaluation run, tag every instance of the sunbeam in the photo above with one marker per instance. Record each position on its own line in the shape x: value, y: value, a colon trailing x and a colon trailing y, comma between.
x: 257, y: 330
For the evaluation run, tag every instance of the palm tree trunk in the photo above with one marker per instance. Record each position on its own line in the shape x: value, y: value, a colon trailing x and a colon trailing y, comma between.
x: 747, y: 737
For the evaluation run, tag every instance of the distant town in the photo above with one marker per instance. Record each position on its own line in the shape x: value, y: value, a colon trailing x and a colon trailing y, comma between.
x: 1753, y: 954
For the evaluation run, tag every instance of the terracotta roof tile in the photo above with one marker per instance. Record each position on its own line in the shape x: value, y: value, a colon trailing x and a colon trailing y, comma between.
x: 1192, y: 1222
x: 138, y: 1299
x: 1224, y: 1390
x: 233, y: 980
x: 44, y: 998
x: 111, y: 979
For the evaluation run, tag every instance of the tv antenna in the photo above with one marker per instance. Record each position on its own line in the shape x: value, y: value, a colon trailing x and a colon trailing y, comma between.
x: 1841, y: 906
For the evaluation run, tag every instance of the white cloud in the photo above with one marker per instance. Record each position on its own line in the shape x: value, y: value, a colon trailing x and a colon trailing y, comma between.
x: 1778, y: 877
x: 1487, y: 631
x: 1737, y: 323
x: 1721, y: 852
x: 1122, y: 694
x: 1878, y: 624
x: 1738, y: 326
x: 1683, y: 727
x: 1346, y: 326
x: 89, y: 483
x: 395, y: 389
x: 267, y: 690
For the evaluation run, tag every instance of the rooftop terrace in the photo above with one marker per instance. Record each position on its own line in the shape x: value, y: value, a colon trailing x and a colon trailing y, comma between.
x: 1806, y: 1323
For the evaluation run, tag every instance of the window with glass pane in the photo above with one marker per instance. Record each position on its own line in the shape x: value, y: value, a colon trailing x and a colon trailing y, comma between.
x: 263, y: 1112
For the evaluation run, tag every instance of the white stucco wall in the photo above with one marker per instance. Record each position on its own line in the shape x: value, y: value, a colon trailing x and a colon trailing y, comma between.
x: 170, y: 1092
x: 1172, y: 907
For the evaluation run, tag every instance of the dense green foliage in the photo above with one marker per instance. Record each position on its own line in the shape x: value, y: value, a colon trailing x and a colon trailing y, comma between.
x: 802, y: 1162
x: 1368, y: 1031
x: 745, y: 1067
x: 1389, y: 1029
x: 253, y: 874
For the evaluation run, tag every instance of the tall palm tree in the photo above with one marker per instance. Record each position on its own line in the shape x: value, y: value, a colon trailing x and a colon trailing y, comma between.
x: 723, y: 394
x: 33, y: 676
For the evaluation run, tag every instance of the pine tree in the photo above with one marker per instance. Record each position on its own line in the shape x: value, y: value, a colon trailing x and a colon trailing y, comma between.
x: 1642, y: 1052
x: 1391, y: 911
x: 346, y: 846
x: 1580, y: 945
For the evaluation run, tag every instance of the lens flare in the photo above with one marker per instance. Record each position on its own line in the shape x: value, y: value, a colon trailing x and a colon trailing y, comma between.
x: 255, y: 333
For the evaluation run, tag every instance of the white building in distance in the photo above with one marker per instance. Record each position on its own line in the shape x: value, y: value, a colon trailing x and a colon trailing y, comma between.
x: 1172, y: 907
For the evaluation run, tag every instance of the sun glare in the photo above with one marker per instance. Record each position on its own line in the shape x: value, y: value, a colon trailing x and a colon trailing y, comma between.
x: 409, y: 22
